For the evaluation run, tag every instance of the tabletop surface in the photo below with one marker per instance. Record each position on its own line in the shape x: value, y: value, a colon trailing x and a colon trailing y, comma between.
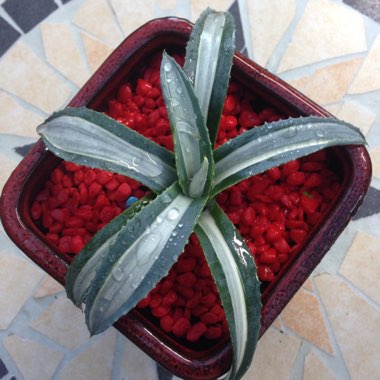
x: 326, y: 49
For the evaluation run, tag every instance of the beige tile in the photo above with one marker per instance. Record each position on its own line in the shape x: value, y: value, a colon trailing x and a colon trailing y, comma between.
x: 198, y: 6
x: 95, y: 50
x: 96, y: 17
x: 368, y: 78
x: 303, y: 316
x: 277, y: 324
x: 31, y: 79
x: 17, y: 120
x: 48, y: 287
x: 333, y: 108
x: 261, y: 19
x: 274, y: 357
x: 328, y: 84
x: 18, y: 278
x: 355, y: 324
x: 95, y: 362
x: 6, y: 168
x: 166, y: 4
x: 63, y: 53
x: 326, y: 30
x: 63, y: 323
x: 34, y: 360
x: 314, y: 369
x: 135, y: 364
x: 131, y: 16
x: 308, y: 284
x: 362, y: 265
x: 357, y: 115
x: 375, y: 157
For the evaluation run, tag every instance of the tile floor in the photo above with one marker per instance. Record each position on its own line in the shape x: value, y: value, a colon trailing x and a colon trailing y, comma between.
x: 325, y: 48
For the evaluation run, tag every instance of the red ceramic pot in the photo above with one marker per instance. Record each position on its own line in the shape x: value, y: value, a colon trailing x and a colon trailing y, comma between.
x: 351, y: 162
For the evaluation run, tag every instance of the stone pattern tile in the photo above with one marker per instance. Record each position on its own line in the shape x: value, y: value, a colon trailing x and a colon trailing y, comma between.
x: 6, y: 168
x: 63, y: 323
x: 25, y: 351
x: 322, y: 34
x: 368, y: 78
x: 88, y: 17
x: 141, y: 14
x: 135, y: 364
x: 8, y: 36
x: 362, y: 264
x: 261, y: 19
x: 64, y: 56
x: 303, y: 315
x: 18, y: 278
x: 3, y: 369
x: 198, y: 6
x: 375, y: 157
x: 95, y: 361
x: 31, y: 79
x: 48, y: 287
x: 17, y: 120
x: 27, y: 14
x: 356, y: 325
x: 308, y: 284
x: 356, y: 114
x: 314, y: 369
x: 96, y: 51
x: 368, y: 7
x: 328, y: 84
x: 274, y: 357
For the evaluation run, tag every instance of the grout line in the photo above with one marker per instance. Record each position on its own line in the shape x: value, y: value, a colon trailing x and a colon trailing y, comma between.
x: 339, y: 364
x: 244, y: 18
x: 24, y: 104
x: 119, y: 349
x: 9, y: 19
x: 283, y: 43
x: 358, y: 292
x: 116, y: 19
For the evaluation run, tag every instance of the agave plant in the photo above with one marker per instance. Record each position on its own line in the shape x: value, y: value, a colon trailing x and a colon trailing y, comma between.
x: 128, y: 257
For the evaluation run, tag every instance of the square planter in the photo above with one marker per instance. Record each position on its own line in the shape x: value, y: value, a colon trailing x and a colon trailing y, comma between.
x: 352, y: 164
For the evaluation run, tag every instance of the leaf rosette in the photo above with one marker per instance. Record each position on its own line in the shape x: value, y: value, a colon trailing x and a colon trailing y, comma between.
x: 132, y: 253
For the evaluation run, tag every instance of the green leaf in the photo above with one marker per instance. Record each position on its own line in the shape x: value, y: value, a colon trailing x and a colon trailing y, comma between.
x: 234, y: 272
x: 83, y: 268
x: 208, y: 63
x: 192, y: 147
x: 273, y: 144
x: 91, y: 138
x: 142, y: 253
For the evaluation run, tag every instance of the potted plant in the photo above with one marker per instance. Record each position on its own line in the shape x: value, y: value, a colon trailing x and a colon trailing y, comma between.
x: 122, y: 265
